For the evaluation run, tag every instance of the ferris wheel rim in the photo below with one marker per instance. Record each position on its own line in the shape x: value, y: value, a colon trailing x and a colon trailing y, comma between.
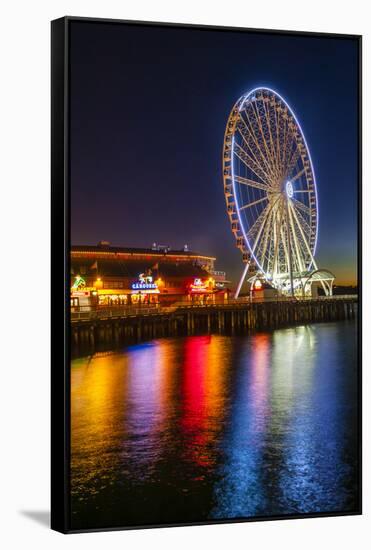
x: 244, y: 98
x: 239, y: 105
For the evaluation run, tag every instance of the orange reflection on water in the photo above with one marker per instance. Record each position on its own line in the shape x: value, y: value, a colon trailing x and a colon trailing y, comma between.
x: 96, y: 418
x: 120, y: 402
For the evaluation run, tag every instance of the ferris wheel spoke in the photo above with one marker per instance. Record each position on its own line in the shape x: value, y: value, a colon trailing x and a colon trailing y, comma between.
x: 290, y: 256
x: 303, y: 235
x: 284, y: 144
x: 252, y: 135
x: 301, y: 206
x: 303, y: 222
x: 292, y: 162
x: 255, y: 160
x: 256, y: 225
x: 290, y: 141
x: 245, y: 139
x: 266, y: 233
x: 270, y: 255
x: 250, y: 204
x: 281, y: 138
x: 287, y: 241
x: 272, y: 147
x: 250, y: 164
x: 277, y: 241
x: 298, y: 175
x: 267, y: 149
x: 269, y: 211
x: 303, y: 250
x: 252, y: 183
x: 260, y: 231
x: 267, y: 144
x: 269, y: 215
x: 277, y: 120
x: 286, y: 253
x: 298, y: 256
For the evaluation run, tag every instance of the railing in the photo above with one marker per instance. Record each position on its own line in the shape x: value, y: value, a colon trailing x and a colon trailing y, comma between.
x: 105, y: 312
x: 295, y: 299
x: 87, y: 313
x: 246, y: 300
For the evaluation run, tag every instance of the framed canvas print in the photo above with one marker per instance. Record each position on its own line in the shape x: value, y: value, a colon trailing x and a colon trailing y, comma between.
x: 206, y: 340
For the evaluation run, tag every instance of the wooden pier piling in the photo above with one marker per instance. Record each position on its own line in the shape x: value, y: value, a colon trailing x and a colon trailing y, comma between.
x: 91, y: 332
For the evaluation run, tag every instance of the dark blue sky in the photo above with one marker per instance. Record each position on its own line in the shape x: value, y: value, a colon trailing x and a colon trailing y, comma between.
x: 148, y: 112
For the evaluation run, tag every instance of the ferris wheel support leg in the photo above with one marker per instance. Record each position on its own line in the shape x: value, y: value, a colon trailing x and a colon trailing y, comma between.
x: 238, y: 290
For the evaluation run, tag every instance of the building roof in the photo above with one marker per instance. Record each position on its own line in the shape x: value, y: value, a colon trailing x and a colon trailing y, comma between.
x: 104, y: 250
x: 131, y: 269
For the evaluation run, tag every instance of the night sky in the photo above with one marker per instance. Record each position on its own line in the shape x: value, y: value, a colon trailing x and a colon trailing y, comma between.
x: 148, y: 112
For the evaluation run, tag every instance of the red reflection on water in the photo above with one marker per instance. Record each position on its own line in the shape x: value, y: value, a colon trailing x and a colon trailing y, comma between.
x: 202, y: 388
x: 258, y: 382
x: 193, y: 384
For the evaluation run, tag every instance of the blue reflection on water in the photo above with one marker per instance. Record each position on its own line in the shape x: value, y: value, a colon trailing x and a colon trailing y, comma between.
x: 241, y: 490
x: 322, y: 427
x: 292, y: 425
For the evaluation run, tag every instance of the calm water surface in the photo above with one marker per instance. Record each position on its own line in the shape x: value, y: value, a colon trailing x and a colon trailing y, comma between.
x: 212, y: 427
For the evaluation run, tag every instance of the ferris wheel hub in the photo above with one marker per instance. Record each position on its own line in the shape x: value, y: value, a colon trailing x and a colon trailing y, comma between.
x: 289, y: 189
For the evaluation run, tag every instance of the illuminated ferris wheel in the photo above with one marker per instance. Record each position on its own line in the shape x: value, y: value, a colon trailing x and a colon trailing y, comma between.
x: 271, y: 193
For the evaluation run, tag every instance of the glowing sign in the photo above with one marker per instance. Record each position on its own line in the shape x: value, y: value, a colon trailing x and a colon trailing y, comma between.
x: 145, y: 278
x: 258, y: 285
x: 79, y: 283
x: 198, y: 286
x: 145, y: 282
x: 80, y: 293
x: 143, y: 286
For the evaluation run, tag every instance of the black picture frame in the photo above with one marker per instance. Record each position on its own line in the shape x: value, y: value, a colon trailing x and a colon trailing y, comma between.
x: 60, y: 267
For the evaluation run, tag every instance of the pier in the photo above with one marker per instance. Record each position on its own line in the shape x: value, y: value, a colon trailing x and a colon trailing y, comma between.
x: 110, y: 328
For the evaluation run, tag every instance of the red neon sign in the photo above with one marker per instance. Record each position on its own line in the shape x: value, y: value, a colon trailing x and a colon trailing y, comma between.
x: 198, y: 286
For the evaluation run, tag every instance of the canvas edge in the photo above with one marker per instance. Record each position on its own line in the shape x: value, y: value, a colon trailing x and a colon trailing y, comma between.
x: 60, y: 239
x: 60, y: 400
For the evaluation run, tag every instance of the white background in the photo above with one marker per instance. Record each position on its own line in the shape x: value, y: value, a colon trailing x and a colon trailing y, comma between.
x: 24, y: 253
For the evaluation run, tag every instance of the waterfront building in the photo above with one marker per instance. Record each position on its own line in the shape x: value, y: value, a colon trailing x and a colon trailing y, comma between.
x: 109, y: 275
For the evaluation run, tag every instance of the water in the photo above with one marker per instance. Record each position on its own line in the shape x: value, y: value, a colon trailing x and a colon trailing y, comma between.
x: 216, y: 427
